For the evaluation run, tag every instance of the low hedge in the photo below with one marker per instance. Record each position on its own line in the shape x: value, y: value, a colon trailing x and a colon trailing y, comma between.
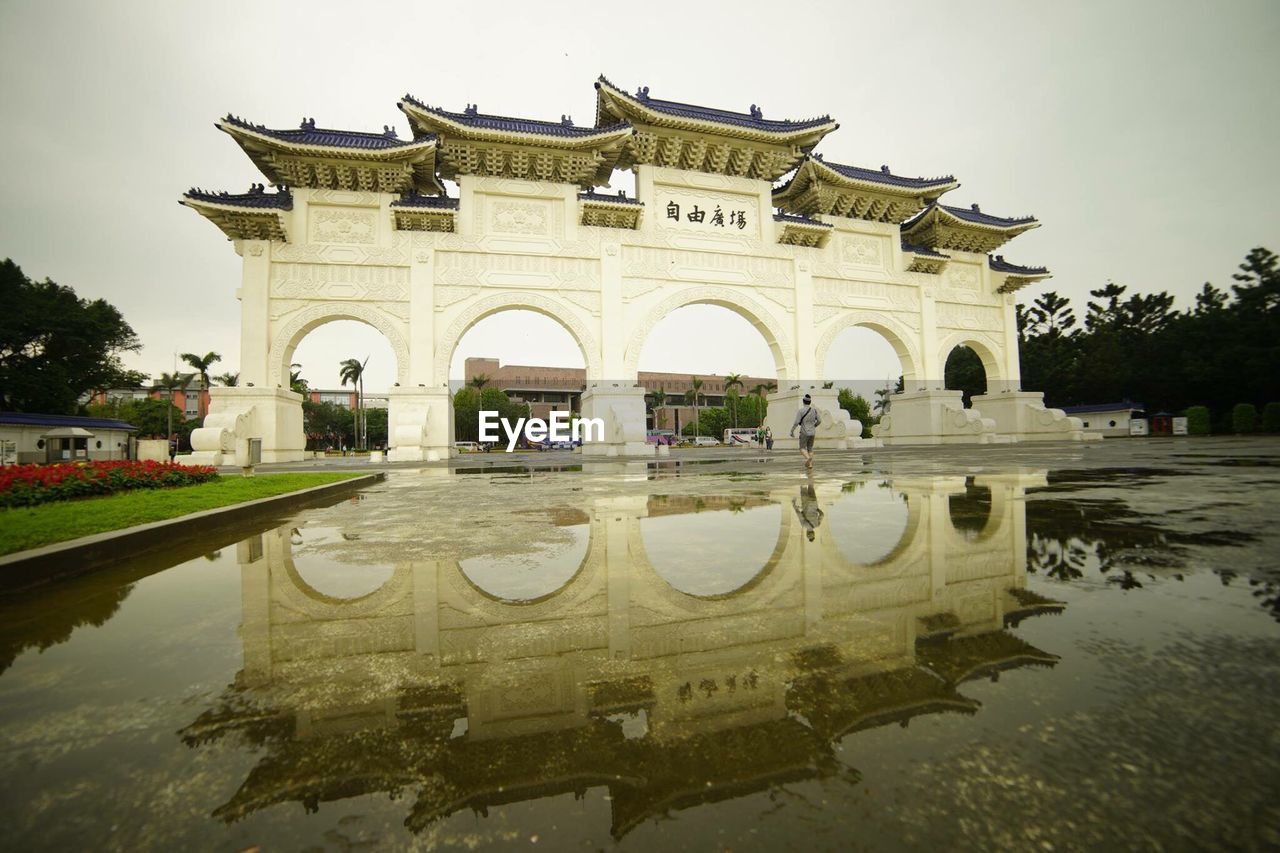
x: 30, y: 485
x: 1271, y: 417
x: 1198, y: 420
x: 1244, y: 418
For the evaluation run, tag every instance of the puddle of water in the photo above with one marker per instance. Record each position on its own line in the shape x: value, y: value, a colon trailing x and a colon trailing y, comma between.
x: 912, y: 658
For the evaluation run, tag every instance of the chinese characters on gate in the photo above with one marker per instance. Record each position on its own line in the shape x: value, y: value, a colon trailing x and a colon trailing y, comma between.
x: 736, y: 218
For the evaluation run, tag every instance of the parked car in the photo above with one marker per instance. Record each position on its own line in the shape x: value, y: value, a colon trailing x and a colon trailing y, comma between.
x: 466, y: 446
x: 705, y: 441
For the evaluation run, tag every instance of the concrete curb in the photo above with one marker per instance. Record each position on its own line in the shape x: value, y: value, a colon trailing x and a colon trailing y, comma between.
x: 25, y: 569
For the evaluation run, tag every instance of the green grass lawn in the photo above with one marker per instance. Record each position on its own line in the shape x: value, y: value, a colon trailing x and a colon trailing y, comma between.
x: 31, y: 527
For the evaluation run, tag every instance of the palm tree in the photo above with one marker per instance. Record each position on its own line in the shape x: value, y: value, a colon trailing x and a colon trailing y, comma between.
x: 696, y: 393
x: 659, y: 400
x: 230, y: 380
x: 733, y: 380
x: 479, y: 381
x: 297, y: 384
x: 352, y: 370
x: 202, y: 363
x: 169, y: 382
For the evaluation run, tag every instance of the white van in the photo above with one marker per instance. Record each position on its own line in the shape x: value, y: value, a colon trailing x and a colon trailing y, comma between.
x: 466, y: 446
x: 705, y: 441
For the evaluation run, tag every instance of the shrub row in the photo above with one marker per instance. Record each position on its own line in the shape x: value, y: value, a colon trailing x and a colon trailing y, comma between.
x: 29, y: 485
x: 1242, y: 419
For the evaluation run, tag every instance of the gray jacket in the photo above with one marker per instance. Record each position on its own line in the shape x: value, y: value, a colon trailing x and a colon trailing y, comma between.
x: 808, y: 420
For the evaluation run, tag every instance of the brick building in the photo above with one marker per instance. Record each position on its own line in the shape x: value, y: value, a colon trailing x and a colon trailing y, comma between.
x: 548, y: 389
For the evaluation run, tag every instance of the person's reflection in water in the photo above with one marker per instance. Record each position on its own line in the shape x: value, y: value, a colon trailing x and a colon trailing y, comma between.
x: 808, y: 510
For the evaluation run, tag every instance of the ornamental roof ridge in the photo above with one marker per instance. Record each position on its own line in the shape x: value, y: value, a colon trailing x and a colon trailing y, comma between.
x: 472, y: 117
x: 974, y: 214
x: 620, y: 198
x: 413, y: 198
x: 308, y: 134
x: 800, y: 220
x: 882, y: 175
x: 257, y: 196
x: 999, y: 264
x: 926, y: 251
x: 753, y: 119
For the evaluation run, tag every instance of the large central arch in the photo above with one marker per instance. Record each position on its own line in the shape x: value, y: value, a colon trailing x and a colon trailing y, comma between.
x: 899, y: 336
x: 298, y: 326
x: 487, y: 306
x: 752, y: 311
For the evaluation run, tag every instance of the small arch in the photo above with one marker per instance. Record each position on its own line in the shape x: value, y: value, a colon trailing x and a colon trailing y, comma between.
x: 900, y: 336
x: 753, y: 312
x: 297, y: 327
x: 477, y: 310
x: 985, y: 348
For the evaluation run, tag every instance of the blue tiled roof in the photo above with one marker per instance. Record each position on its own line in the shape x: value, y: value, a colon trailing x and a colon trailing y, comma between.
x: 975, y: 215
x: 799, y: 220
x: 308, y: 134
x: 884, y: 176
x: 923, y: 250
x: 257, y: 196
x: 33, y: 419
x: 999, y: 264
x: 1123, y: 405
x: 754, y: 119
x: 415, y: 199
x: 620, y: 198
x: 471, y: 117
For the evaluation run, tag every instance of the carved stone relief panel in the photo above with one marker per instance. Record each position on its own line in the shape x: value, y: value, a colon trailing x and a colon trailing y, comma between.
x: 956, y: 316
x: 674, y: 264
x: 339, y: 281
x: 493, y: 270
x: 862, y: 250
x: 830, y: 291
x: 334, y: 224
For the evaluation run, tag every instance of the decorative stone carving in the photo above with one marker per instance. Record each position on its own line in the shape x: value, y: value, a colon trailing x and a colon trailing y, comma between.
x: 963, y: 277
x: 828, y: 291
x: 643, y: 262
x: 331, y: 224
x: 956, y: 316
x: 520, y: 217
x: 862, y: 251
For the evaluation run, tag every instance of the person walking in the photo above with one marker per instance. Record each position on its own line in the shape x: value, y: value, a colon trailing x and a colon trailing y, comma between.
x: 807, y: 419
x: 768, y: 438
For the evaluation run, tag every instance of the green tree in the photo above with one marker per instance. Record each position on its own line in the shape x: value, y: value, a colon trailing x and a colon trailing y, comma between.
x: 56, y: 347
x: 297, y: 384
x: 327, y: 425
x: 352, y: 370
x: 479, y: 381
x: 1198, y: 420
x: 1244, y: 419
x: 964, y: 373
x: 201, y: 365
x: 375, y: 421
x: 230, y: 380
x: 762, y: 391
x: 694, y: 398
x: 857, y: 407
x: 171, y: 382
x: 659, y: 401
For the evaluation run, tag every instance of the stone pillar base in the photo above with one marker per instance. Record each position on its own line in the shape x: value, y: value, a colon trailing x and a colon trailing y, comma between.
x: 933, y: 417
x: 271, y: 414
x: 419, y: 424
x: 837, y: 430
x: 1022, y: 415
x: 621, y: 408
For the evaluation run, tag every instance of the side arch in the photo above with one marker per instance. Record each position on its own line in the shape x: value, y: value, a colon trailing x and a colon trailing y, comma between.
x: 989, y: 351
x: 477, y: 310
x: 289, y: 335
x: 900, y: 336
x: 755, y: 313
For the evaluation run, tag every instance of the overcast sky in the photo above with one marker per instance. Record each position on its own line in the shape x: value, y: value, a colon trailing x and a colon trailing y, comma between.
x: 1143, y: 135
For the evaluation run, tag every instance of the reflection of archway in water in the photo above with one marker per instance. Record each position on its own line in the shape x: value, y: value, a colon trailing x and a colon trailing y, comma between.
x: 870, y: 522
x: 324, y: 579
x: 715, y: 554
x: 533, y: 576
x: 971, y: 511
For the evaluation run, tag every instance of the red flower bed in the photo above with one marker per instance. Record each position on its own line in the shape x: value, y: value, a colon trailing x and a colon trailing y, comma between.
x: 28, y: 485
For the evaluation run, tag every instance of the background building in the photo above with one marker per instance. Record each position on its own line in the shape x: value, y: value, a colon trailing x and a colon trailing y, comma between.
x: 27, y: 438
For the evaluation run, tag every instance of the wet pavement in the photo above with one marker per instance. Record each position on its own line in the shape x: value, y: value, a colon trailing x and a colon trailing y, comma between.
x: 1048, y: 647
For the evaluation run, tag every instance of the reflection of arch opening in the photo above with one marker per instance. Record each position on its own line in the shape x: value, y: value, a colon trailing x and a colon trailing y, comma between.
x: 971, y: 511
x: 291, y: 334
x: 899, y: 337
x: 514, y: 301
x: 775, y: 336
x: 701, y: 554
x: 870, y: 523
x: 522, y: 579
